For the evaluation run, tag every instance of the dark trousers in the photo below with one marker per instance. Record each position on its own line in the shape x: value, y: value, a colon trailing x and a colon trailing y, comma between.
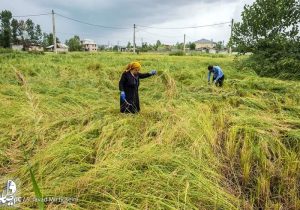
x: 220, y: 81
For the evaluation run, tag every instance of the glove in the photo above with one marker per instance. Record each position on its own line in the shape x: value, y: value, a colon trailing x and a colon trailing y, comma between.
x: 123, y: 96
x: 153, y: 72
x: 215, y: 81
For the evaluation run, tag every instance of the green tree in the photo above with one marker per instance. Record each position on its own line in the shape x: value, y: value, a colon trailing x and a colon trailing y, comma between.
x: 157, y: 45
x: 179, y: 46
x: 45, y: 42
x: 129, y: 45
x: 191, y: 46
x: 270, y: 30
x: 219, y: 45
x: 21, y: 29
x: 5, y: 39
x: 50, y: 39
x: 30, y: 29
x: 38, y: 34
x: 115, y: 48
x: 144, y: 47
x: 74, y: 44
x: 14, y: 31
x: 265, y: 21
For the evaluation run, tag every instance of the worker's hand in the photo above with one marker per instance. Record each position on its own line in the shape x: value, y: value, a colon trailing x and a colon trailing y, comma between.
x: 153, y: 72
x: 122, y: 96
x: 215, y: 81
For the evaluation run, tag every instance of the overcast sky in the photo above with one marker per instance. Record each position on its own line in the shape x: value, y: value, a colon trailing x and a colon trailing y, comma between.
x: 125, y: 13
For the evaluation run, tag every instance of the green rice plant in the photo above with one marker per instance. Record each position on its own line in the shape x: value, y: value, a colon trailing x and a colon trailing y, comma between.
x: 246, y: 160
x: 192, y: 146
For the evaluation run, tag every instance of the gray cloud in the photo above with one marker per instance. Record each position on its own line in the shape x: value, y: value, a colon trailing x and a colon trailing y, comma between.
x: 124, y: 13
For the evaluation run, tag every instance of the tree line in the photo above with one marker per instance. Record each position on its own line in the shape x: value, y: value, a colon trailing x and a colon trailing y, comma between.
x: 21, y: 32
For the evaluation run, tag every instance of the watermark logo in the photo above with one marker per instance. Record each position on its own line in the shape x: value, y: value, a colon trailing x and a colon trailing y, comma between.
x: 8, y: 196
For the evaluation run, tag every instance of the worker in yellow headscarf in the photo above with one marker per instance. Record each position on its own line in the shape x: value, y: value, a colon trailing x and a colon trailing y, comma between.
x: 129, y: 84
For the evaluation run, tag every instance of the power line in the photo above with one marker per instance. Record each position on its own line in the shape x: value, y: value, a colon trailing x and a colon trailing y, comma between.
x: 31, y: 15
x: 80, y: 34
x: 113, y: 27
x: 138, y: 28
x: 154, y: 34
x: 201, y: 26
x: 90, y: 24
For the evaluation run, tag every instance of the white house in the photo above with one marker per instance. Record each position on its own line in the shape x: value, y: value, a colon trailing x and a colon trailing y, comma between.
x: 204, y: 44
x: 89, y: 45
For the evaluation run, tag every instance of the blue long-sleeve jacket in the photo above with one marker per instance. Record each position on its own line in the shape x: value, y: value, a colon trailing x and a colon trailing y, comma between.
x: 217, y: 72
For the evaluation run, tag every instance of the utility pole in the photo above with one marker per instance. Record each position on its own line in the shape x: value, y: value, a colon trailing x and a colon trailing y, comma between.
x: 230, y: 49
x: 184, y: 43
x: 134, y: 38
x: 54, y: 35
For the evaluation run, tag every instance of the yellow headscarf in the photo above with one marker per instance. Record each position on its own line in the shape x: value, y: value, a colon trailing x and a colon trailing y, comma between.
x: 133, y: 65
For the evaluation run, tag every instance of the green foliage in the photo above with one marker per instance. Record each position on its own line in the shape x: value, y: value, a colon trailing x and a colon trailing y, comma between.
x: 36, y: 52
x: 5, y: 32
x: 148, y: 47
x: 48, y: 39
x: 36, y: 190
x: 38, y: 34
x: 266, y: 21
x: 177, y: 53
x: 278, y: 59
x: 74, y: 44
x: 129, y: 45
x: 115, y: 48
x: 14, y: 30
x: 192, y: 46
x: 157, y: 45
x: 179, y: 46
x: 30, y: 29
x: 219, y: 45
x: 18, y: 32
x: 270, y: 29
x: 5, y: 50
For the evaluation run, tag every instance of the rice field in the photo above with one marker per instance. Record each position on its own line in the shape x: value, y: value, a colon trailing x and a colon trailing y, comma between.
x: 192, y: 146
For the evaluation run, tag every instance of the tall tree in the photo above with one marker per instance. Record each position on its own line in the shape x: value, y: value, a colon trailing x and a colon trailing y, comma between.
x: 179, y: 46
x: 5, y: 39
x: 14, y: 31
x: 30, y: 29
x: 22, y: 29
x: 45, y: 40
x: 193, y: 46
x: 219, y: 45
x: 158, y: 44
x: 270, y: 30
x: 129, y: 45
x: 74, y: 44
x: 266, y: 20
x: 50, y: 40
x: 38, y: 34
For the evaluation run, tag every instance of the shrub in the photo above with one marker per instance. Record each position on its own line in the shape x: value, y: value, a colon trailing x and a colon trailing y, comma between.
x: 177, y: 53
x: 6, y: 50
x: 280, y: 58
